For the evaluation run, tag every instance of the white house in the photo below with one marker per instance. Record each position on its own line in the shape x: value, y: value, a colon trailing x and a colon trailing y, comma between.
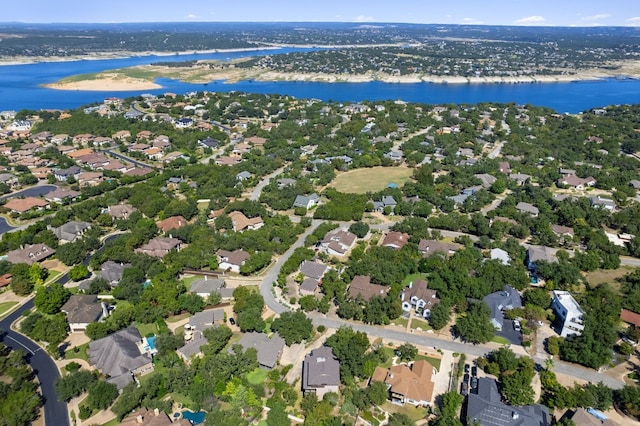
x: 568, y: 313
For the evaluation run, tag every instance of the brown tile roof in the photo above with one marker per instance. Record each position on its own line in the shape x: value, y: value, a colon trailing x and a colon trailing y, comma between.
x: 410, y: 382
x: 173, y: 222
x: 241, y: 222
x: 23, y: 204
x: 361, y: 286
x: 235, y: 257
x: 630, y: 317
x: 395, y: 239
x: 79, y: 153
x: 159, y: 247
x: 30, y: 254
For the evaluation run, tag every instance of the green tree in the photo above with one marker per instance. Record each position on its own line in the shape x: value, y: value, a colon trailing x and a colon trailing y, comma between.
x: 406, y: 352
x: 400, y: 419
x: 293, y: 327
x: 79, y: 272
x: 440, y: 315
x: 475, y: 326
x: 360, y: 229
x: 49, y: 300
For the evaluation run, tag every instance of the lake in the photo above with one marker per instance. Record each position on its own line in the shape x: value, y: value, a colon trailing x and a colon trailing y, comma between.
x: 20, y: 87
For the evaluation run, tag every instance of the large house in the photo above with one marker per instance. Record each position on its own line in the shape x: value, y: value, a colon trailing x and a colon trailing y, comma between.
x: 395, y: 240
x: 112, y: 272
x: 203, y: 287
x: 159, y: 247
x: 242, y: 223
x: 538, y: 253
x: 173, y: 222
x: 576, y: 182
x: 430, y: 247
x: 487, y: 409
x: 269, y: 349
x: 120, y: 356
x: 71, y: 231
x: 569, y: 314
x: 500, y: 301
x: 408, y: 384
x: 320, y: 372
x: 83, y: 310
x: 418, y: 297
x: 232, y: 260
x: 361, y: 287
x: 338, y: 242
x: 306, y: 201
x: 30, y: 254
x: 121, y: 211
x: 21, y: 205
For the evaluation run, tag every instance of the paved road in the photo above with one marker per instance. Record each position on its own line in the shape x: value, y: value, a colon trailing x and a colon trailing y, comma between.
x: 318, y: 319
x: 34, y: 191
x: 128, y: 159
x: 55, y: 412
x: 266, y: 287
x: 257, y: 191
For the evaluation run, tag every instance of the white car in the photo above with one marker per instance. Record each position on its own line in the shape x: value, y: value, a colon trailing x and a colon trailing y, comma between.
x: 516, y: 325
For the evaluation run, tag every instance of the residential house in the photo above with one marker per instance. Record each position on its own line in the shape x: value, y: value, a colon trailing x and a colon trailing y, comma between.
x: 242, y: 223
x: 203, y: 287
x: 485, y: 408
x: 269, y: 349
x: 21, y: 205
x: 576, y: 182
x: 285, y: 182
x: 8, y: 179
x: 244, y: 175
x: 112, y: 271
x: 431, y: 247
x: 206, y: 319
x: 603, y: 203
x: 500, y: 255
x: 537, y: 253
x: 313, y: 270
x: 306, y: 201
x: 61, y: 195
x: 500, y: 301
x: 82, y: 310
x: 120, y: 356
x: 569, y: 314
x: 90, y: 178
x: 520, y: 178
x: 225, y: 160
x: 563, y: 231
x: 486, y: 179
x: 159, y: 247
x: 408, y: 384
x: 419, y: 297
x: 395, y: 240
x: 30, y: 254
x: 121, y: 211
x: 387, y: 201
x: 308, y: 286
x: 588, y: 417
x: 173, y: 222
x: 232, y: 260
x: 320, y: 372
x: 209, y: 143
x: 630, y: 317
x: 146, y: 417
x: 195, y: 340
x: 526, y: 208
x: 256, y: 141
x: 635, y: 184
x: 71, y: 231
x: 338, y: 242
x: 362, y: 288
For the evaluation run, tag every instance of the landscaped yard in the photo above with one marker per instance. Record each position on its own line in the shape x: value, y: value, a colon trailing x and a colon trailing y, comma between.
x: 414, y: 413
x: 6, y: 306
x: 79, y: 352
x: 402, y: 322
x: 422, y: 325
x: 257, y: 376
x: 431, y: 360
x: 147, y: 329
x: 500, y: 339
x: 412, y: 277
x: 361, y: 181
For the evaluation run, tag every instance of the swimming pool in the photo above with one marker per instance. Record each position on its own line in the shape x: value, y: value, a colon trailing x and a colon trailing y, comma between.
x: 194, y: 418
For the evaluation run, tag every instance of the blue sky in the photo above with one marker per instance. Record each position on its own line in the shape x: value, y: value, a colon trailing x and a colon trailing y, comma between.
x: 489, y: 12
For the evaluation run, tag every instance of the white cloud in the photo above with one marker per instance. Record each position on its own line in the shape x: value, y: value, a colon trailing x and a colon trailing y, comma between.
x: 635, y: 21
x: 530, y: 20
x: 191, y: 16
x: 471, y: 21
x: 597, y: 17
x: 363, y: 18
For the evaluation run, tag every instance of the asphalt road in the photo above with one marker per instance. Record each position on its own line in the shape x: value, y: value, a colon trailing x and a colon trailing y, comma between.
x: 460, y: 347
x: 55, y: 412
x: 34, y: 191
x: 127, y: 159
x: 257, y: 191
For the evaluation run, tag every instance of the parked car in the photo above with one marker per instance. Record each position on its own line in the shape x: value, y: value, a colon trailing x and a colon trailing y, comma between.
x: 474, y: 371
x: 474, y: 383
x: 232, y: 321
x: 516, y: 325
x: 466, y: 368
x: 465, y: 379
x: 464, y: 389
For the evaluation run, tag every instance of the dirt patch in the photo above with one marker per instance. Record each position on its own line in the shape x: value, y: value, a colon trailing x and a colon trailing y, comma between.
x: 600, y: 276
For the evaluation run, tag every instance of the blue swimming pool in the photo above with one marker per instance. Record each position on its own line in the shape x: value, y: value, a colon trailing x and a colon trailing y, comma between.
x: 151, y: 341
x: 194, y: 418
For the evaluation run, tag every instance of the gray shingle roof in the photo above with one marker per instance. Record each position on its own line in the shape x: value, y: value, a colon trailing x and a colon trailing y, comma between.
x: 320, y: 368
x: 269, y: 349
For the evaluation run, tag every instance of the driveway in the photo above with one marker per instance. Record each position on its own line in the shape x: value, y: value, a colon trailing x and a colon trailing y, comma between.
x: 514, y: 337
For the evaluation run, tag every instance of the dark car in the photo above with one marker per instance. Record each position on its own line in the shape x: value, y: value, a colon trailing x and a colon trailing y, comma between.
x: 474, y: 383
x: 466, y: 368
x: 474, y: 371
x: 232, y: 321
x: 465, y: 379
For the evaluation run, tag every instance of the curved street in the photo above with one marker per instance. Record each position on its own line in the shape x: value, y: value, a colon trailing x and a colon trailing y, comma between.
x: 276, y: 305
x: 55, y: 411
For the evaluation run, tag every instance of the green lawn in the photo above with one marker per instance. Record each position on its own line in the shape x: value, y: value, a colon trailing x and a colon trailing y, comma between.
x: 257, y: 376
x: 6, y: 307
x: 177, y: 318
x: 147, y: 329
x: 431, y: 360
x: 423, y: 325
x: 414, y: 413
x: 187, y: 281
x: 79, y: 352
x: 403, y: 322
x: 500, y: 340
x: 113, y: 422
x: 413, y: 277
x: 361, y: 181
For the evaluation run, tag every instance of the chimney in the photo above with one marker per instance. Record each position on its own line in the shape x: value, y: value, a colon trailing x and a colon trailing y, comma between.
x: 140, y: 419
x: 411, y: 284
x: 156, y: 412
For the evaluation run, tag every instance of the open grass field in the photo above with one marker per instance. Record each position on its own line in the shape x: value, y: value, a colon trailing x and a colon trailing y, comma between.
x: 6, y: 306
x: 600, y: 276
x: 257, y: 376
x: 361, y: 181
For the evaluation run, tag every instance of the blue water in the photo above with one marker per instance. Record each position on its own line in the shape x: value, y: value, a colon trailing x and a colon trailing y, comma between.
x: 151, y: 341
x: 194, y: 418
x: 20, y: 87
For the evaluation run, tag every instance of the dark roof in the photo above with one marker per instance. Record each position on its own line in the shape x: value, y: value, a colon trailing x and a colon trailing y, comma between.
x: 269, y: 349
x: 361, y: 286
x: 500, y: 300
x: 487, y: 409
x: 313, y: 269
x: 320, y: 368
x: 82, y: 309
x: 112, y: 271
